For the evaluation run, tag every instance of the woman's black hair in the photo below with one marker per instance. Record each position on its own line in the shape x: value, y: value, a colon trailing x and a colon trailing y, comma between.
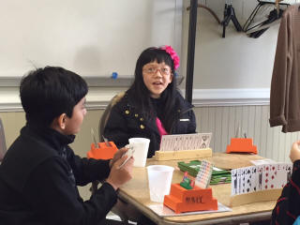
x: 141, y: 94
x: 48, y: 92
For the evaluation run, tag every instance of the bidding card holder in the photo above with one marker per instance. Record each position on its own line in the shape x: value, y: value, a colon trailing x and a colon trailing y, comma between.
x: 182, y: 200
x: 241, y: 145
x: 104, y: 150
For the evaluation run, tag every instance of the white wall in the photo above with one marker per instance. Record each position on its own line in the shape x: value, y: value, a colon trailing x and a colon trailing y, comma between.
x: 234, y: 62
x: 91, y: 37
x: 96, y: 37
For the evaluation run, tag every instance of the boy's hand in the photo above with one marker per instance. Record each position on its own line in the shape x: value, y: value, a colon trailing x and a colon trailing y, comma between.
x: 118, y: 155
x: 119, y: 176
x: 295, y: 151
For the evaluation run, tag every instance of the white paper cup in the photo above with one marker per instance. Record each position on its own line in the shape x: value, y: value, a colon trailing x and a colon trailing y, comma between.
x: 140, y: 146
x: 159, y: 180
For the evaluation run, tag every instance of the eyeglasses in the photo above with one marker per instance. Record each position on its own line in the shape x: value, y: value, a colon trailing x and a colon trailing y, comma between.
x: 153, y: 70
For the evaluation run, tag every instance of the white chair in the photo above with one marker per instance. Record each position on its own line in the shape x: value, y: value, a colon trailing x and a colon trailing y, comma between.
x: 2, y: 142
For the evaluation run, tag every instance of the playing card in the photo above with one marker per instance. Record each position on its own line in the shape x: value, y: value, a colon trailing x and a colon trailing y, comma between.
x: 283, y: 174
x: 239, y: 185
x: 191, y: 142
x: 253, y: 178
x: 270, y: 176
x: 205, y: 140
x: 197, y: 141
x: 266, y: 177
x: 234, y: 182
x: 204, y: 174
x: 249, y: 179
x: 259, y: 177
x: 242, y: 180
x: 262, y: 161
x: 185, y: 141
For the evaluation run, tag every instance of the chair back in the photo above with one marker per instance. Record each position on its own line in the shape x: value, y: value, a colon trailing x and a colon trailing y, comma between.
x: 2, y: 141
x: 106, y: 113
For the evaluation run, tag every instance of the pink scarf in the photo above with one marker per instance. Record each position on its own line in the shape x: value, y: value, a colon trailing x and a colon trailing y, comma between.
x: 160, y: 127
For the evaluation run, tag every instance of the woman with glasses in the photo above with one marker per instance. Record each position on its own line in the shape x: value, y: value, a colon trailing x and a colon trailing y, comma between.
x: 152, y: 106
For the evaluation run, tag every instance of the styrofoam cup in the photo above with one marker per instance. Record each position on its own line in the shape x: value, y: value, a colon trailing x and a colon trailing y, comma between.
x: 159, y: 180
x: 140, y: 146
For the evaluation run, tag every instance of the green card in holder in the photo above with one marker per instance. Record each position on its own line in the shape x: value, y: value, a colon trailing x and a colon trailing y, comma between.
x: 219, y: 176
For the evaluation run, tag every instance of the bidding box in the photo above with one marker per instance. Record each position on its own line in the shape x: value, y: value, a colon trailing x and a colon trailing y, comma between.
x: 183, y: 200
x: 243, y: 145
x: 103, y: 151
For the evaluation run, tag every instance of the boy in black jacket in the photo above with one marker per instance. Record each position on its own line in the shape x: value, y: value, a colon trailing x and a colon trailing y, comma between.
x: 40, y: 172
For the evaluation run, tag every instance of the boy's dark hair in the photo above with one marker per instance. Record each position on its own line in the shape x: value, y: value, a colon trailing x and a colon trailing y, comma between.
x: 138, y: 88
x: 48, y: 92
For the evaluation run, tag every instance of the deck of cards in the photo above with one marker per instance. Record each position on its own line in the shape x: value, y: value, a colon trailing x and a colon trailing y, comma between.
x: 260, y: 177
x: 180, y: 142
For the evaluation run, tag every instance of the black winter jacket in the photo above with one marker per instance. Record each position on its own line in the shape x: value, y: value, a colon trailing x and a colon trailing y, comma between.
x: 38, y: 182
x: 126, y: 121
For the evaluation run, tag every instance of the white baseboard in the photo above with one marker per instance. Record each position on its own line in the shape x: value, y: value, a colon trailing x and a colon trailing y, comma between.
x: 231, y: 97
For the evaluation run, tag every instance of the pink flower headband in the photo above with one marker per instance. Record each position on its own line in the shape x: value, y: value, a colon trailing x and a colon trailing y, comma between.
x: 173, y: 55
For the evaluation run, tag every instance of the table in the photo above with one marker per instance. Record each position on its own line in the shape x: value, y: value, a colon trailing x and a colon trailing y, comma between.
x: 136, y: 193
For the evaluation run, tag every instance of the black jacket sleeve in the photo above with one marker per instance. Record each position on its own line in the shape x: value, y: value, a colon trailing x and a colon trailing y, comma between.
x: 116, y: 128
x: 87, y: 170
x: 50, y: 193
x: 186, y: 123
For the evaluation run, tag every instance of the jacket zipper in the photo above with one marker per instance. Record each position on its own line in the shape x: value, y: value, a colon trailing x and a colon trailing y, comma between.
x: 182, y: 113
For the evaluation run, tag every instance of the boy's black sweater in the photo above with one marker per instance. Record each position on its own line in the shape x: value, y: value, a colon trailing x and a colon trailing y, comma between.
x: 39, y: 177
